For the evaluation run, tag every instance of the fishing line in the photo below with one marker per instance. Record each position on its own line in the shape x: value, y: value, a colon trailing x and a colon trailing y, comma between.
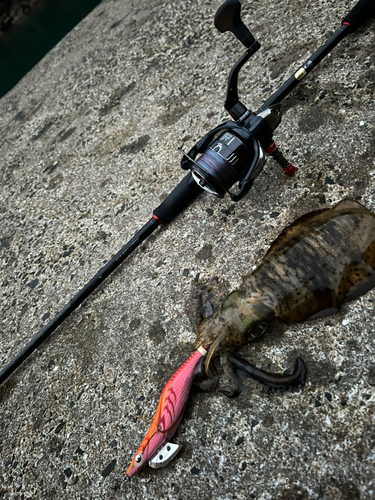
x: 215, y: 167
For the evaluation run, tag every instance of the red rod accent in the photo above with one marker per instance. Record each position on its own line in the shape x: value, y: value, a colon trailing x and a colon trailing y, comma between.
x: 271, y: 148
x: 289, y: 170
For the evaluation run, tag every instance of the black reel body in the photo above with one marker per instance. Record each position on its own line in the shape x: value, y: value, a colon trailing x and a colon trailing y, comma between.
x: 225, y: 162
x: 229, y: 154
x: 232, y: 153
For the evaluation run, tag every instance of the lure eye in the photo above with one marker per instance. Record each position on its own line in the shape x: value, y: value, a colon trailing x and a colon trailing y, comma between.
x: 138, y: 459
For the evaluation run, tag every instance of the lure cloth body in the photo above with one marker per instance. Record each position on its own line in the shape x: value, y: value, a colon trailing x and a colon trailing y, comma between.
x: 169, y: 412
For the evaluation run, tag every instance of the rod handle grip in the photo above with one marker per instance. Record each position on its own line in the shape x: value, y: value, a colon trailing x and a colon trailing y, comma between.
x: 182, y: 195
x: 360, y: 13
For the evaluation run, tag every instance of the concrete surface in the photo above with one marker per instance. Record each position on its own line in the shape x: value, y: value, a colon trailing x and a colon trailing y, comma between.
x: 89, y: 144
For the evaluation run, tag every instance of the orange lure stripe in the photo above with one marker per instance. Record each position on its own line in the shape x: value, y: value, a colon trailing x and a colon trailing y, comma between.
x: 169, y: 412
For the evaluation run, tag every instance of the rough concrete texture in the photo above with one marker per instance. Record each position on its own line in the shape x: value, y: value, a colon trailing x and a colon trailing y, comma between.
x: 89, y: 144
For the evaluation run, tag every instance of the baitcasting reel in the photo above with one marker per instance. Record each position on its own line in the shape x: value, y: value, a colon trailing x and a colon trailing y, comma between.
x: 234, y: 152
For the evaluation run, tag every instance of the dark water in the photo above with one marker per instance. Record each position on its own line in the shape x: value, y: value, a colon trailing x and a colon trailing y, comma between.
x: 29, y: 40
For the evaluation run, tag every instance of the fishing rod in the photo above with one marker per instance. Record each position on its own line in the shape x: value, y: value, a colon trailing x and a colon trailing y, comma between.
x: 231, y: 154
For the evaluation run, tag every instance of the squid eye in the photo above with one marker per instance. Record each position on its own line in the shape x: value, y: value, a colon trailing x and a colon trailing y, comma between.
x: 258, y: 331
x: 138, y: 459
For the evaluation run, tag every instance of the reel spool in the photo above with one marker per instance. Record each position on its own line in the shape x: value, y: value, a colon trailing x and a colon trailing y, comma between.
x: 235, y: 156
x: 223, y: 164
x: 227, y: 160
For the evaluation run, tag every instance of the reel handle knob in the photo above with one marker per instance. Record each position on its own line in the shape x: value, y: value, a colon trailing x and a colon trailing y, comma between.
x: 228, y: 18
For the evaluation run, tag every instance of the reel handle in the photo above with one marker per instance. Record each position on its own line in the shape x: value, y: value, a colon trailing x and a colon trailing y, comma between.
x: 228, y: 18
x: 361, y: 12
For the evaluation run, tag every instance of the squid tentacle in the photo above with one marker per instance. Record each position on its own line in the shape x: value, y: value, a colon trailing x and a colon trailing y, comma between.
x: 273, y: 380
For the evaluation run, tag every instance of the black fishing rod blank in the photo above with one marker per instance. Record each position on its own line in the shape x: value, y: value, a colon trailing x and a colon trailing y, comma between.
x: 231, y: 154
x: 305, y: 69
x: 178, y: 200
x: 363, y: 11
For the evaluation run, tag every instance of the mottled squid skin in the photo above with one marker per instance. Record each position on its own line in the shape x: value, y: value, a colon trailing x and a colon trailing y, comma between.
x: 323, y: 259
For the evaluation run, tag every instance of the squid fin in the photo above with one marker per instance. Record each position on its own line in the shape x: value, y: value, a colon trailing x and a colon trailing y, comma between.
x: 294, y: 228
x: 347, y: 203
